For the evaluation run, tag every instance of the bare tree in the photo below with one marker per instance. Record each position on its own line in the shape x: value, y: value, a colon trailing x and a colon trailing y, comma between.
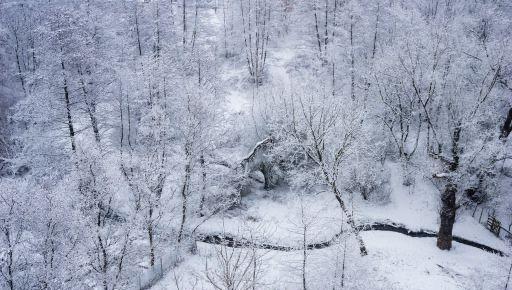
x: 256, y: 33
x: 236, y: 268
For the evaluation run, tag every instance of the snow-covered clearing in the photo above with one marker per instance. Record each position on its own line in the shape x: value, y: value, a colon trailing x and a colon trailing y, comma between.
x: 394, y: 261
x: 273, y: 215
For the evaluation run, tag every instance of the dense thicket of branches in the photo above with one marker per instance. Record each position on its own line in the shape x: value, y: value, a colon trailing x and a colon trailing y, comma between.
x: 114, y: 148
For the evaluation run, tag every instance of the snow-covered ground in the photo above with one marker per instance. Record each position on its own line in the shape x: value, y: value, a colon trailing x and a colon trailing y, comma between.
x: 395, y: 261
x: 416, y: 263
x: 274, y: 214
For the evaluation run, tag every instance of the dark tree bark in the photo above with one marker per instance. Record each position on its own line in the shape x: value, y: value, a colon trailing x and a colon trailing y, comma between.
x: 374, y: 49
x: 10, y: 260
x: 317, y: 29
x: 102, y: 251
x: 184, y: 196
x: 18, y: 64
x: 137, y: 31
x: 90, y: 108
x: 507, y: 126
x: 266, y: 170
x: 455, y: 148
x: 448, y: 197
x: 184, y: 12
x: 203, y: 173
x: 350, y: 220
x: 150, y: 235
x: 68, y: 111
x: 352, y: 59
x: 447, y: 214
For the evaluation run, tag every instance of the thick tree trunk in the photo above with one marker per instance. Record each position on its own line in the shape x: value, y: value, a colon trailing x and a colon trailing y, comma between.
x: 507, y: 126
x: 448, y: 197
x: 447, y: 214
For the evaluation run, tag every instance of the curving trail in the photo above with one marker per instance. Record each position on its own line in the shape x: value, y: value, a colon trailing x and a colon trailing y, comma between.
x: 236, y: 242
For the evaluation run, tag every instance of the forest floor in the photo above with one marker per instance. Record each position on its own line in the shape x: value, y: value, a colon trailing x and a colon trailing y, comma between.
x: 394, y: 261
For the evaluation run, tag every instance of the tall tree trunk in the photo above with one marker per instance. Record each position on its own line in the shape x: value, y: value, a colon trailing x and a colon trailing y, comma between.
x: 157, y: 46
x: 343, y: 264
x: 203, y: 197
x: 18, y: 64
x: 352, y: 59
x: 137, y: 30
x: 91, y: 109
x: 10, y: 261
x: 226, y: 53
x: 184, y: 12
x: 326, y: 26
x: 448, y: 197
x: 184, y: 196
x: 194, y: 31
x: 304, y: 256
x: 507, y: 126
x: 447, y: 215
x: 374, y: 49
x: 350, y: 220
x: 317, y: 29
x: 68, y: 111
x: 150, y: 235
x: 103, y: 251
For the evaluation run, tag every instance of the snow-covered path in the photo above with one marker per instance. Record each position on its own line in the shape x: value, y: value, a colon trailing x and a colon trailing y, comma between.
x: 242, y: 242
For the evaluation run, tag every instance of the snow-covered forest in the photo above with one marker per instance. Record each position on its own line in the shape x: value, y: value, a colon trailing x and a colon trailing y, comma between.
x: 255, y: 144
